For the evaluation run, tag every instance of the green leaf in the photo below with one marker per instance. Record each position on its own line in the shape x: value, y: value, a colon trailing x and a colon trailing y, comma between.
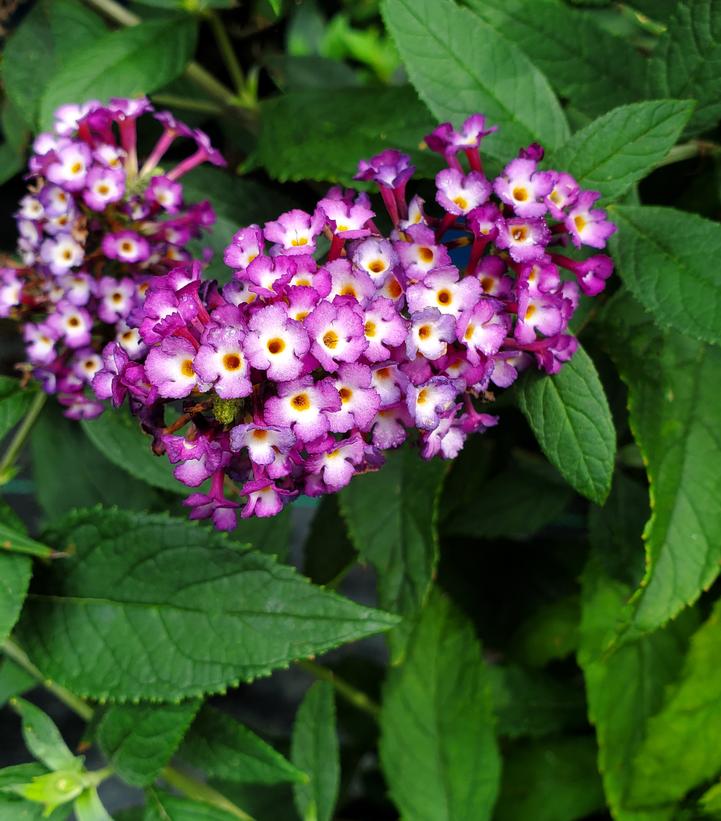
x: 600, y: 72
x: 165, y: 807
x: 620, y: 148
x: 460, y: 66
x: 328, y: 550
x: 686, y: 63
x: 626, y: 686
x: 236, y: 202
x: 272, y: 535
x: 52, y: 33
x: 123, y: 63
x: 117, y: 435
x: 392, y: 516
x: 222, y: 615
x: 551, y: 780
x: 438, y: 747
x: 533, y: 703
x: 88, y: 807
x: 674, y: 386
x: 14, y: 681
x: 663, y: 257
x: 322, y: 134
x: 550, y: 633
x: 710, y: 801
x: 680, y: 749
x: 15, y: 809
x: 315, y: 751
x: 57, y: 443
x: 43, y: 738
x: 14, y: 403
x: 139, y: 739
x: 521, y: 500
x: 15, y: 572
x: 261, y: 800
x: 16, y: 542
x: 225, y: 749
x: 569, y: 415
x: 11, y: 163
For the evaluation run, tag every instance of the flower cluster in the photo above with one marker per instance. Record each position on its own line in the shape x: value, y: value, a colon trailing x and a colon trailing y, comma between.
x: 94, y: 230
x: 334, y: 342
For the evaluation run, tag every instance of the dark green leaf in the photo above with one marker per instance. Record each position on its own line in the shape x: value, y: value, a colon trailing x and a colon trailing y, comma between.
x: 438, y: 747
x: 225, y: 749
x: 272, y: 535
x: 460, y: 66
x: 550, y: 780
x: 262, y: 801
x: 328, y: 550
x: 663, y: 256
x: 15, y: 572
x: 43, y: 738
x: 686, y: 64
x: 524, y: 498
x: 673, y: 387
x: 70, y: 472
x: 391, y: 518
x: 139, y: 739
x: 322, y: 134
x: 599, y: 72
x: 569, y: 414
x: 52, y: 33
x: 315, y: 751
x: 162, y: 806
x: 14, y: 403
x: 550, y: 633
x: 14, y: 681
x: 127, y: 62
x: 117, y: 435
x: 619, y: 149
x: 16, y: 542
x: 301, y: 73
x: 221, y: 614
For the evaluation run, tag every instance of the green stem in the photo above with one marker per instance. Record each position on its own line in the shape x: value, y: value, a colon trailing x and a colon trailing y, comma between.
x: 352, y: 694
x: 19, y: 656
x: 227, y: 52
x: 21, y: 434
x: 188, y: 785
x: 202, y: 106
x: 115, y: 12
x: 685, y: 151
x: 200, y: 791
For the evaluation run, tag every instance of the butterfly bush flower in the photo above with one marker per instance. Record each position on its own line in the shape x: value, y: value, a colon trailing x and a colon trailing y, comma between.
x: 93, y: 232
x: 301, y: 371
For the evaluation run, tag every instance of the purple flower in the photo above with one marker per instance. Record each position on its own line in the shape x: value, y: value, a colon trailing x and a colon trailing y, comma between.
x: 165, y: 193
x: 375, y: 257
x: 458, y: 193
x: 268, y: 275
x: 61, y: 254
x: 389, y: 427
x: 390, y: 384
x: 103, y: 186
x: 442, y: 289
x: 447, y: 439
x: 295, y: 231
x: 214, y: 505
x: 336, y: 333
x: 349, y: 282
x: 246, y: 245
x: 591, y: 273
x: 302, y: 406
x: 390, y: 169
x: 359, y: 401
x: 276, y: 344
x: 72, y: 323
x: 108, y: 381
x: 334, y: 462
x: 430, y: 333
x: 126, y: 246
x: 170, y: 367
x: 491, y: 273
x: 588, y: 225
x: 428, y: 402
x: 262, y: 441
x: 40, y: 343
x: 421, y: 254
x: 116, y: 298
x: 546, y: 313
x: 221, y: 362
x: 383, y: 327
x: 70, y: 168
x: 563, y: 195
x: 524, y: 188
x: 347, y: 220
x: 482, y: 329
x: 525, y: 239
x: 264, y: 498
x: 447, y: 141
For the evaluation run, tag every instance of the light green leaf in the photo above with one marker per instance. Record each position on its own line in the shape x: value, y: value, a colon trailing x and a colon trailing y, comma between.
x: 15, y: 572
x: 223, y: 615
x: 14, y: 402
x: 438, y: 747
x: 43, y: 738
x: 322, y: 134
x: 621, y: 147
x: 315, y: 750
x: 223, y: 748
x: 551, y: 780
x: 600, y: 71
x: 663, y: 257
x: 139, y: 739
x: 626, y: 686
x: 123, y: 63
x: 88, y: 807
x: 681, y: 750
x: 391, y: 517
x: 16, y: 542
x: 569, y: 415
x: 674, y: 386
x: 710, y: 801
x: 461, y: 65
x: 52, y: 33
x: 686, y: 63
x: 117, y: 435
x: 162, y: 806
